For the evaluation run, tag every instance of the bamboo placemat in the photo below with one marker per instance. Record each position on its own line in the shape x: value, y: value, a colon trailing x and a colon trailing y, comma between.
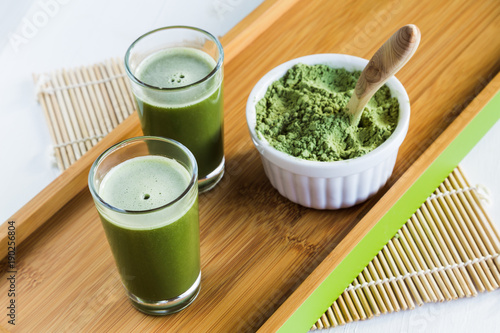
x: 82, y: 105
x: 447, y: 250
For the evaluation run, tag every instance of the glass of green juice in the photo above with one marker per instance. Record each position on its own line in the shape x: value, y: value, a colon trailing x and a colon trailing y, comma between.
x: 145, y: 191
x: 176, y: 75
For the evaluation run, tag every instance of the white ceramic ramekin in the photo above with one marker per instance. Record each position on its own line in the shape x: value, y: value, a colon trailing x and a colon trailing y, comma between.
x: 328, y: 185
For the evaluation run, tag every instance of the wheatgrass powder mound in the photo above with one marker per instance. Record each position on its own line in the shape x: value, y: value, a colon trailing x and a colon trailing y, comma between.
x: 302, y: 114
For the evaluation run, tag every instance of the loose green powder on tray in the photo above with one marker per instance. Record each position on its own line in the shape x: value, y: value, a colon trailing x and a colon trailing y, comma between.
x: 303, y: 115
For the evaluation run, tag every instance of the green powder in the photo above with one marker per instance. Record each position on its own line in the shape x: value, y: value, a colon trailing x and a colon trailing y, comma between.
x: 303, y: 114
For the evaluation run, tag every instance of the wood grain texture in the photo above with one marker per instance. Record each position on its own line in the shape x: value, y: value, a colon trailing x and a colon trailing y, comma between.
x: 261, y: 254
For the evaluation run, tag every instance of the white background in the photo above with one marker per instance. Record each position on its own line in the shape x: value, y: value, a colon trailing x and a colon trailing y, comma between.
x: 44, y: 35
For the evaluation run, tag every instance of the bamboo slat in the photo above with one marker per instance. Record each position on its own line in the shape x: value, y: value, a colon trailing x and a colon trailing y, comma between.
x: 86, y: 99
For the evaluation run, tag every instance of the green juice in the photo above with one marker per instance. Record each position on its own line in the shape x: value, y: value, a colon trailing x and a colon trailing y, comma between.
x: 184, y: 109
x: 158, y: 254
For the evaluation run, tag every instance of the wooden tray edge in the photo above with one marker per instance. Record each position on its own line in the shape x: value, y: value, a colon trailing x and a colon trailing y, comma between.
x: 322, y: 287
x: 253, y: 25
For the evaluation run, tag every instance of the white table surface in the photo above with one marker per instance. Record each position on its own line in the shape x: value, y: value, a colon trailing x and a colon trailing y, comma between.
x: 43, y: 35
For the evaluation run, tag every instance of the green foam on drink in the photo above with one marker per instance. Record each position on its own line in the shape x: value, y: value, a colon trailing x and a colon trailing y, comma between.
x: 144, y: 183
x: 175, y: 67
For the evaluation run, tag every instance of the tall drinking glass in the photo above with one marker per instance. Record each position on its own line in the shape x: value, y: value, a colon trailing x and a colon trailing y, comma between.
x: 145, y: 191
x: 176, y: 74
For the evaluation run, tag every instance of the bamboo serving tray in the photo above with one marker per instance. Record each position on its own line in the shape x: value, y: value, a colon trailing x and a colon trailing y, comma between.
x: 269, y: 264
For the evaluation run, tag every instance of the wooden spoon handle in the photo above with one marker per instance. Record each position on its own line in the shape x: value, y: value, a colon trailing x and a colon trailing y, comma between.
x: 388, y: 59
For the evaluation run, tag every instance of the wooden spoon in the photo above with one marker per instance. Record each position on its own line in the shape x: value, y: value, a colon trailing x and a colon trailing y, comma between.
x: 388, y: 59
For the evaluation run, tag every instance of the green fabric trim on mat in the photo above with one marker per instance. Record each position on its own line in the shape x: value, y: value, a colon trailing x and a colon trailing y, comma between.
x: 321, y: 298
